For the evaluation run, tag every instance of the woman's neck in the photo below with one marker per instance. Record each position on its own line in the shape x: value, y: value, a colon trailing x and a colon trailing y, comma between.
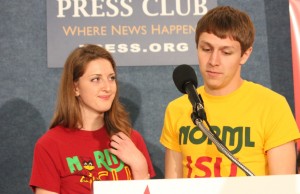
x: 92, y: 123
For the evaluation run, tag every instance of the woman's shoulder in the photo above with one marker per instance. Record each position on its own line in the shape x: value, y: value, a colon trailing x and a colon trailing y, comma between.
x: 136, y: 136
x: 52, y: 135
x: 135, y: 133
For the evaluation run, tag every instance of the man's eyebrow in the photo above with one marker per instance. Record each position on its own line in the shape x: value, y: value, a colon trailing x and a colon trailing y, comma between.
x: 223, y: 47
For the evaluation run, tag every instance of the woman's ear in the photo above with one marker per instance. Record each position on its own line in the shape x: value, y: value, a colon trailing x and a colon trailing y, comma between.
x: 76, y: 89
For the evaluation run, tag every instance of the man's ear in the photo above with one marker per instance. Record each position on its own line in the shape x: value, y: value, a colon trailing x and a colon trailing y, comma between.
x: 246, y: 55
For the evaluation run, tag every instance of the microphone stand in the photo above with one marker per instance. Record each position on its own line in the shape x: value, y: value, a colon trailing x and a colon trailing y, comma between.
x: 198, y: 116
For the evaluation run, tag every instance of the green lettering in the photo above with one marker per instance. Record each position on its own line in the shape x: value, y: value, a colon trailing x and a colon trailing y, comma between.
x: 232, y: 132
x: 101, y: 159
x: 193, y: 139
x: 183, y: 135
x: 216, y: 130
x: 74, y: 162
x: 248, y: 142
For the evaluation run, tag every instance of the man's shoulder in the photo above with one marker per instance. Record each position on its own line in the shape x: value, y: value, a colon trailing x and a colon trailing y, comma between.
x: 262, y: 91
x: 183, y: 99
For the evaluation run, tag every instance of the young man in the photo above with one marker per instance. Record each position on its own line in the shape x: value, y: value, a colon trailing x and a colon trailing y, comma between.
x: 255, y: 123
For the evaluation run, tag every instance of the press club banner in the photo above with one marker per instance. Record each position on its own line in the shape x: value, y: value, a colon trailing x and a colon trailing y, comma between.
x: 136, y: 32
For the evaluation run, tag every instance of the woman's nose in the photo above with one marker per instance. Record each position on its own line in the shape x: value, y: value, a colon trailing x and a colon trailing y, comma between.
x: 105, y: 85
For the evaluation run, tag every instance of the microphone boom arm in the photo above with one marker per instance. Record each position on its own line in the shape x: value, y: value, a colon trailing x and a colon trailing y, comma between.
x: 198, y: 121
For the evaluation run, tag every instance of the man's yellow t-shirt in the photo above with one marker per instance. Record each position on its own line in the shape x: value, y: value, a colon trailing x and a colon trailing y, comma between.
x: 249, y: 121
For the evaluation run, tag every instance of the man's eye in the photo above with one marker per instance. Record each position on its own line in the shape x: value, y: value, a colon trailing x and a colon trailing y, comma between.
x: 206, y: 49
x: 227, y: 53
x: 112, y: 78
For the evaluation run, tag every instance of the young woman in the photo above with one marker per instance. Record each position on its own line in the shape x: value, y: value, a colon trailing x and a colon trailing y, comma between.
x: 90, y: 137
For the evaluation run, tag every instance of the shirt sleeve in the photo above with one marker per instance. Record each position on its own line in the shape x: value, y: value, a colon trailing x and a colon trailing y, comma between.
x: 283, y: 129
x: 44, y: 173
x: 141, y: 145
x: 169, y: 138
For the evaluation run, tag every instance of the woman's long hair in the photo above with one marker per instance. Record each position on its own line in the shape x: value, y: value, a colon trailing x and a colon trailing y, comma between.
x: 67, y: 113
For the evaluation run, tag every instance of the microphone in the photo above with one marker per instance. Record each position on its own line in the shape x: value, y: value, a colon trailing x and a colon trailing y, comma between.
x: 186, y: 82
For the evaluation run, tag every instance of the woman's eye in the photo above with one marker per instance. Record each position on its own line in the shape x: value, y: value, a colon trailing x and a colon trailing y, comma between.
x: 95, y: 79
x: 112, y: 78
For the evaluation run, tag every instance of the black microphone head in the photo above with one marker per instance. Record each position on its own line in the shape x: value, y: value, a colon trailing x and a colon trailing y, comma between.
x: 182, y: 75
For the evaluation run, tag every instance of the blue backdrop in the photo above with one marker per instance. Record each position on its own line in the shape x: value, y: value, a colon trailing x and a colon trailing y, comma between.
x: 28, y: 87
